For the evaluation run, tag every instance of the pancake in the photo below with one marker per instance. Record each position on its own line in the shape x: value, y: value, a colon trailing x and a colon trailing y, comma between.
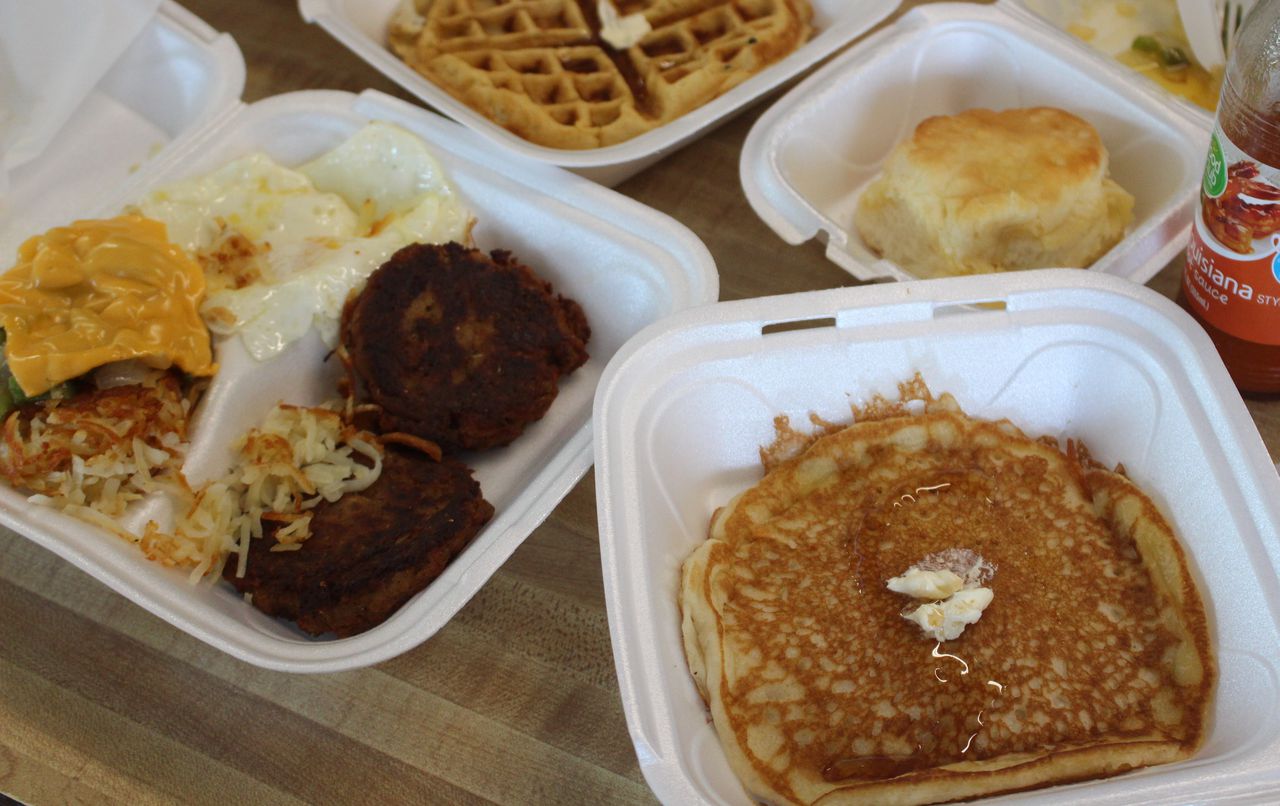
x: 1092, y: 658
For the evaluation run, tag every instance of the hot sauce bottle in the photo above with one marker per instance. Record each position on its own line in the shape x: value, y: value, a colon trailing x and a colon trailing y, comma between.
x: 1231, y: 283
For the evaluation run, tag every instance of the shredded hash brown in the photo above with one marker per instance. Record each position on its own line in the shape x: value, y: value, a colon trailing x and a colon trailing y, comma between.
x: 298, y: 458
x: 94, y: 454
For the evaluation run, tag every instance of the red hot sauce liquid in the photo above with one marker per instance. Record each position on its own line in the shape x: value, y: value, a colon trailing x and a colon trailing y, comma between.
x: 1248, y: 208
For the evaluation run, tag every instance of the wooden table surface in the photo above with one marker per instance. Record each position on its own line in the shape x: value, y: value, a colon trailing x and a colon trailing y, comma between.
x: 514, y: 701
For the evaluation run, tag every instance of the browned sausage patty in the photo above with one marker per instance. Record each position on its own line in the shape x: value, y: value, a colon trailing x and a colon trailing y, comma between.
x: 459, y: 347
x: 370, y: 551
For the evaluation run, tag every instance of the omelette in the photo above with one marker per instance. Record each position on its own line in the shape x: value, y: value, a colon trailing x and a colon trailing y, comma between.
x: 1092, y: 656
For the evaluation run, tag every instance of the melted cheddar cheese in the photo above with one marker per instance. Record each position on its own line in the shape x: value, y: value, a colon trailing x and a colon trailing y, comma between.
x: 100, y: 291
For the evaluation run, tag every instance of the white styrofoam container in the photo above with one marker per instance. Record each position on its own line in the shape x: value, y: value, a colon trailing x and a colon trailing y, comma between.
x: 361, y: 25
x: 684, y: 407
x: 628, y: 265
x: 807, y: 160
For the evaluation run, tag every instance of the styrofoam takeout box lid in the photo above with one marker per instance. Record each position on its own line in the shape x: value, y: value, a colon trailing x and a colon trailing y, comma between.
x: 626, y: 264
x: 683, y: 408
x: 362, y: 27
x: 807, y: 160
x: 175, y: 76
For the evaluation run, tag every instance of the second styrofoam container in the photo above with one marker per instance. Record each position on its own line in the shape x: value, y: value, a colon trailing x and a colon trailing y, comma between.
x: 684, y: 407
x: 361, y: 25
x: 809, y: 157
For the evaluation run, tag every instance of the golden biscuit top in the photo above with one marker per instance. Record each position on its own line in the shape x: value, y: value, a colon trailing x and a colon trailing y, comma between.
x: 1034, y: 152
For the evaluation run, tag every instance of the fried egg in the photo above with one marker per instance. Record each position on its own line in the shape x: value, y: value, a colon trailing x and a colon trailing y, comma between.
x: 282, y: 248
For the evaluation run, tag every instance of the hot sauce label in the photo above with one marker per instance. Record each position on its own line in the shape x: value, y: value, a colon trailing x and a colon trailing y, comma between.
x: 1233, y: 260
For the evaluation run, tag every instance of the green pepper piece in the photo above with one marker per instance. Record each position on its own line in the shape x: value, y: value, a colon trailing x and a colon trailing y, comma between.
x: 15, y: 391
x: 1146, y: 44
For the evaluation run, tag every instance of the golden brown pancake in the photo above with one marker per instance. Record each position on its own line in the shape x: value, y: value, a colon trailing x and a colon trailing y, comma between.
x: 1093, y: 657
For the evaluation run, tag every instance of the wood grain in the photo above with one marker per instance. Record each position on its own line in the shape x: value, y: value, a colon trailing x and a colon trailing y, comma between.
x: 514, y: 701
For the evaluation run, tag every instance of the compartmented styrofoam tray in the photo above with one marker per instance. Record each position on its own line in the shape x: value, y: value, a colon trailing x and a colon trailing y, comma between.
x: 628, y: 265
x: 807, y: 160
x: 361, y: 25
x: 683, y: 408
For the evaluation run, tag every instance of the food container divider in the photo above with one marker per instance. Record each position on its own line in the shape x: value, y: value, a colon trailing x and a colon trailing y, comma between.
x: 808, y: 158
x: 684, y: 407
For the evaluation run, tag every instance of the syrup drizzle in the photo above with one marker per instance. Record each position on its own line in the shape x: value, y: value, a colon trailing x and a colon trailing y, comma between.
x: 961, y: 660
x: 999, y: 687
x: 912, y: 498
x: 944, y: 485
x: 878, y: 517
x: 626, y: 68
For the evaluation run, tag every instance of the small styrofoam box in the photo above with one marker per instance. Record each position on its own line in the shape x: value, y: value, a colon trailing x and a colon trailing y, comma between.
x: 361, y: 25
x: 177, y: 74
x: 807, y: 160
x: 626, y: 264
x: 684, y: 407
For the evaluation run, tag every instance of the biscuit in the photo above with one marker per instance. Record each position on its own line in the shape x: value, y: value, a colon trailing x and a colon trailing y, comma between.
x: 986, y: 191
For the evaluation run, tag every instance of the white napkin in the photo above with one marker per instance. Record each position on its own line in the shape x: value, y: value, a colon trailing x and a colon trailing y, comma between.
x: 52, y: 54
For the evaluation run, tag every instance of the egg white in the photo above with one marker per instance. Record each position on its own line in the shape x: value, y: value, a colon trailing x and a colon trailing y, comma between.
x: 317, y: 232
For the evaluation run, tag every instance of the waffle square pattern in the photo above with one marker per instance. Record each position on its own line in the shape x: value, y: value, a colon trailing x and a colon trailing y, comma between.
x: 541, y: 69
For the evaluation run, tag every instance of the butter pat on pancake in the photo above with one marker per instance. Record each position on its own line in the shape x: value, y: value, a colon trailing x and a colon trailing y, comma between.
x: 986, y: 191
x: 100, y: 291
x: 1092, y: 658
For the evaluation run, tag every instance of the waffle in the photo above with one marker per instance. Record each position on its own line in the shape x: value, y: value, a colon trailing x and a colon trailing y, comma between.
x: 1093, y: 657
x: 539, y: 68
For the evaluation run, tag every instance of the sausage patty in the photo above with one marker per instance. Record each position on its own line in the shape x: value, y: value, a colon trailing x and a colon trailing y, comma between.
x: 369, y: 552
x: 458, y: 347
